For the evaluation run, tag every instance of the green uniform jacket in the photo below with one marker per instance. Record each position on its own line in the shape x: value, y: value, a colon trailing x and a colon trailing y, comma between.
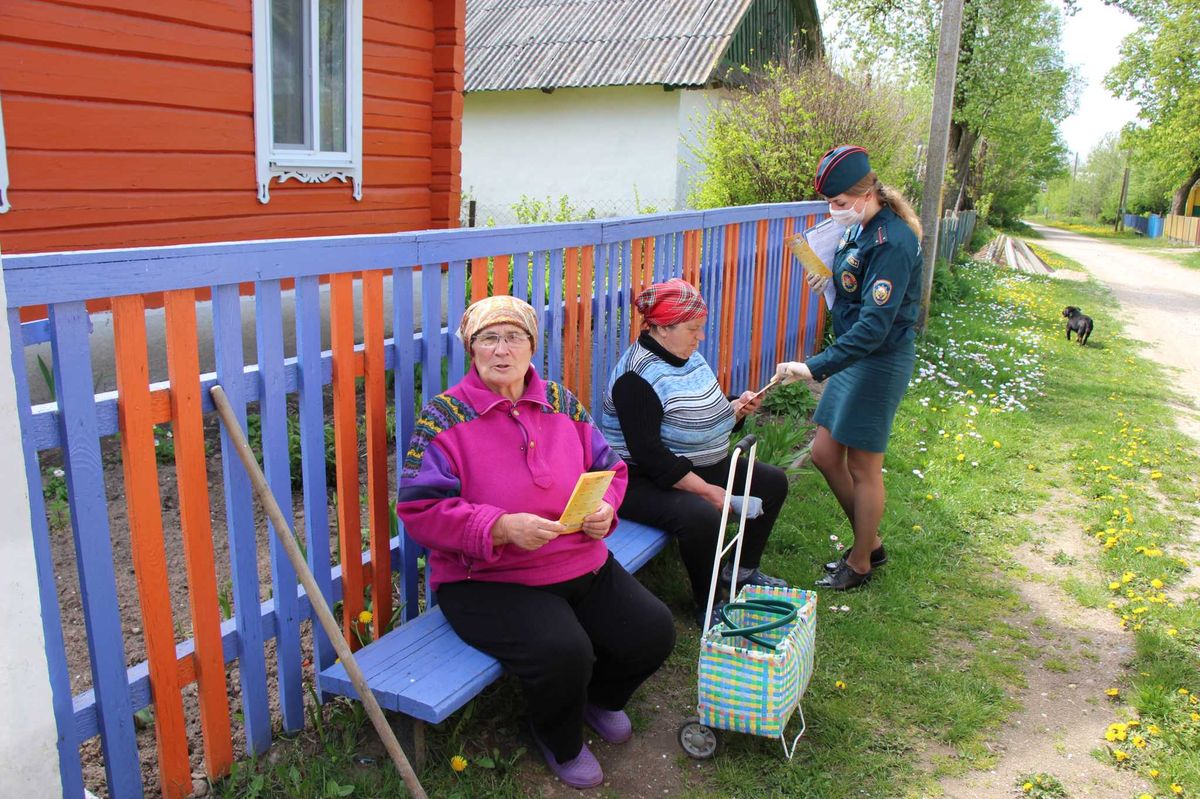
x: 878, y: 278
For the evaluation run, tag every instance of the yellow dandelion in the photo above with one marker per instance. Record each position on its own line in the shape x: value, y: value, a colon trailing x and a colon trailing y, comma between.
x: 1152, y: 729
x: 1112, y: 692
x: 1120, y: 755
x: 841, y: 686
x: 929, y: 496
x: 1156, y: 583
x: 1114, y: 585
x: 917, y: 527
x: 1145, y: 796
x: 960, y: 457
x: 1127, y: 577
x: 1172, y: 632
x: 1184, y: 692
x: 1027, y: 787
x: 1154, y: 772
x: 458, y: 763
x: 1195, y: 716
x: 365, y: 617
x: 1176, y: 788
x: 1138, y: 741
x: 1156, y: 475
x: 996, y: 444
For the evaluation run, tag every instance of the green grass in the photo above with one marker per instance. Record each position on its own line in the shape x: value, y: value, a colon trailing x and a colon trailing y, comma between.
x: 1001, y: 413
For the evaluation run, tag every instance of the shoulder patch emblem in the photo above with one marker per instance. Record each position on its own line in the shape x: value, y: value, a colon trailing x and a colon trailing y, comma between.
x: 881, y: 292
x: 849, y: 282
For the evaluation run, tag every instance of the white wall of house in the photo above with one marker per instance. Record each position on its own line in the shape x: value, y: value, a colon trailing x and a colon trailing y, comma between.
x: 596, y: 146
x: 28, y: 737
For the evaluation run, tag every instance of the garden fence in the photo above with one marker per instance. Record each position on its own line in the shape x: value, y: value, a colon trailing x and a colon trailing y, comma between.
x: 579, y: 275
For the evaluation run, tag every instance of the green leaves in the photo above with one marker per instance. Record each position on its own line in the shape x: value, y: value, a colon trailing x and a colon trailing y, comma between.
x: 763, y: 146
x: 1160, y: 71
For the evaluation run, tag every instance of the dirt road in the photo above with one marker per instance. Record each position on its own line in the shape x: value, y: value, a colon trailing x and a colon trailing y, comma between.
x: 1160, y: 305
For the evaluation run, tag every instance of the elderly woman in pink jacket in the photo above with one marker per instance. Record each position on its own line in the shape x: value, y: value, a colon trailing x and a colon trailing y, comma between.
x: 490, y: 468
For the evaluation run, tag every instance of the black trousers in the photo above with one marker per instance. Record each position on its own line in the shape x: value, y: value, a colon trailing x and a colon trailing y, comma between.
x: 592, y: 639
x: 694, y: 522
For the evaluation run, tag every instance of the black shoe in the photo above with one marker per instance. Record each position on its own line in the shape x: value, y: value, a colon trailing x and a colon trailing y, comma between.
x: 750, y: 577
x: 878, y: 558
x: 713, y: 620
x: 844, y: 578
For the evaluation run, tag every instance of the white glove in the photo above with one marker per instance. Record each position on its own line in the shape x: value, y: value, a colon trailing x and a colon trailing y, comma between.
x: 816, y: 282
x: 791, y: 371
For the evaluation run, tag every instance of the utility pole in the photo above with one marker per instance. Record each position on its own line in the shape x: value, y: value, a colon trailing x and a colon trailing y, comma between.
x: 1071, y: 197
x: 939, y: 142
x: 1120, y: 222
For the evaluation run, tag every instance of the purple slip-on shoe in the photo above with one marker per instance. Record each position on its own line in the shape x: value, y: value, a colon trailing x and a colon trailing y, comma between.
x: 581, y: 771
x: 612, y: 725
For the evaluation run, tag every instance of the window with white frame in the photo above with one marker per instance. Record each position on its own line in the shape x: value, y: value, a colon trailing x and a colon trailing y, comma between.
x: 308, y: 92
x: 4, y: 206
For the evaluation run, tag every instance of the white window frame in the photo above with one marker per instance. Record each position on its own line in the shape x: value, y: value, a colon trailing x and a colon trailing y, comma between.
x: 4, y: 204
x: 307, y: 166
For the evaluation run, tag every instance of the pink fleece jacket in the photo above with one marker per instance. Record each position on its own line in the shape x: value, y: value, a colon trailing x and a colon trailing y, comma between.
x: 475, y: 455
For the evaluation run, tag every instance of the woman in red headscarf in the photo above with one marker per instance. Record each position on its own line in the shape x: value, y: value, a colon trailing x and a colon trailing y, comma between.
x: 665, y: 414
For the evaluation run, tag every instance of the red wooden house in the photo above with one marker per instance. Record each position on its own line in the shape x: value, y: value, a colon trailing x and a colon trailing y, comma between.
x: 126, y: 123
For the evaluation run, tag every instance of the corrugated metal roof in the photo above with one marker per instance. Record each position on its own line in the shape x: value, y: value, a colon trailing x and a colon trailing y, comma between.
x: 545, y: 44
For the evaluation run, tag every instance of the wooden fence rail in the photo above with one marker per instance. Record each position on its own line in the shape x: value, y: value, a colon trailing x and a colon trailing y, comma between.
x: 580, y: 275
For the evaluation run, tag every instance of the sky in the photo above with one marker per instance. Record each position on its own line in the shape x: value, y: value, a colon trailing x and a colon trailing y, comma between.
x: 1091, y: 42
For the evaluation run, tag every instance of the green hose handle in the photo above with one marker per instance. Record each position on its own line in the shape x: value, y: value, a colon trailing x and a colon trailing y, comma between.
x: 786, y: 611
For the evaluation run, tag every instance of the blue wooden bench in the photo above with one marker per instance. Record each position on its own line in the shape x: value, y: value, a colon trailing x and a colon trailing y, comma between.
x: 423, y: 670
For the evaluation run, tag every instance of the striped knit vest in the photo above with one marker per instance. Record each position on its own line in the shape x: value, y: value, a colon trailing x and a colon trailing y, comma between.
x: 697, y: 416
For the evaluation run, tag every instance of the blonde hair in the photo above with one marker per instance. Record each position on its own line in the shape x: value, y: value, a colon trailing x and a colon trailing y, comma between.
x: 890, y: 198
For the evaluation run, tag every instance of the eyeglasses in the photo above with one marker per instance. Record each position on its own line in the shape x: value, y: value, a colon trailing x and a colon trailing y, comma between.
x: 490, y: 341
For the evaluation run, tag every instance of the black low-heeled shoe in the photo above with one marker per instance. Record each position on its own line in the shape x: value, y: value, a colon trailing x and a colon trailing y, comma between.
x: 878, y: 558
x: 844, y: 578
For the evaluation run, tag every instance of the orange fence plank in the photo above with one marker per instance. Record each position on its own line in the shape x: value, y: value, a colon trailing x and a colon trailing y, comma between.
x: 345, y: 436
x: 207, y: 665
x: 785, y: 292
x: 571, y: 334
x: 729, y: 291
x: 377, y: 450
x: 760, y: 279
x: 500, y: 274
x: 144, y: 508
x: 479, y: 278
x: 585, y: 328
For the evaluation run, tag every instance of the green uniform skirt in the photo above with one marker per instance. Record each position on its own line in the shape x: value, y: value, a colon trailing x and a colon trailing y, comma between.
x: 859, y: 402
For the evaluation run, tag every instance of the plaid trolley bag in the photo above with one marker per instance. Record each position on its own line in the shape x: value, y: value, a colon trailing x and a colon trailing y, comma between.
x: 754, y: 665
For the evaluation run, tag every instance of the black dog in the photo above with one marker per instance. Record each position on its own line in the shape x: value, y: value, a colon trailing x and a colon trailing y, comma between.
x: 1077, y: 321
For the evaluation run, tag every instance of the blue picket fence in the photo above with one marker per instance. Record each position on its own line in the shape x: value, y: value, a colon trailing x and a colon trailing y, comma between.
x: 760, y: 312
x: 1150, y: 226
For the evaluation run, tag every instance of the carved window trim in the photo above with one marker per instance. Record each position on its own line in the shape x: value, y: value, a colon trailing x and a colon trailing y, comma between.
x: 4, y: 204
x: 306, y: 166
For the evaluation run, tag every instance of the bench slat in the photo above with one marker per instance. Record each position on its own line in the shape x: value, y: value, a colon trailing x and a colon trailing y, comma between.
x: 423, y: 669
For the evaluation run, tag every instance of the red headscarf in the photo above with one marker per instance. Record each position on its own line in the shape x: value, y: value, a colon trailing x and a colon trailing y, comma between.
x: 670, y: 303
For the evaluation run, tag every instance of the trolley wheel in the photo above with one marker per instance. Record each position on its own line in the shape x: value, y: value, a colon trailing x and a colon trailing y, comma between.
x: 698, y: 741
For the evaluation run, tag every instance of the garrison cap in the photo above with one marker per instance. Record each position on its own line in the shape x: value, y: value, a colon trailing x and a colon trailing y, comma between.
x: 840, y: 168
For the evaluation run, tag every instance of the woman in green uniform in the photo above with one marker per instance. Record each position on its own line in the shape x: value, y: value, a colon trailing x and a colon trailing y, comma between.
x: 877, y: 274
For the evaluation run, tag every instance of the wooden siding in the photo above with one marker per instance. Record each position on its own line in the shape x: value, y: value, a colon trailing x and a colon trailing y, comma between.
x: 129, y: 127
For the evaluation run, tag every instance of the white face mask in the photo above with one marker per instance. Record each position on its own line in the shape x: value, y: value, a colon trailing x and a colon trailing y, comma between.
x: 848, y: 217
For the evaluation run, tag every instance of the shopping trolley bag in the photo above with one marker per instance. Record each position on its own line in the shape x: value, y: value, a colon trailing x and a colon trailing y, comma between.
x: 756, y: 664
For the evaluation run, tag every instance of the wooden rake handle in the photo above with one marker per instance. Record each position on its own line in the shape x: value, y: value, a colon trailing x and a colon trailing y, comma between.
x: 283, y: 531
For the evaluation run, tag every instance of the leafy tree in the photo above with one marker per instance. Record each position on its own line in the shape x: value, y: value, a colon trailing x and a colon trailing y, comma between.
x: 1011, y: 91
x: 764, y: 145
x: 1160, y: 71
